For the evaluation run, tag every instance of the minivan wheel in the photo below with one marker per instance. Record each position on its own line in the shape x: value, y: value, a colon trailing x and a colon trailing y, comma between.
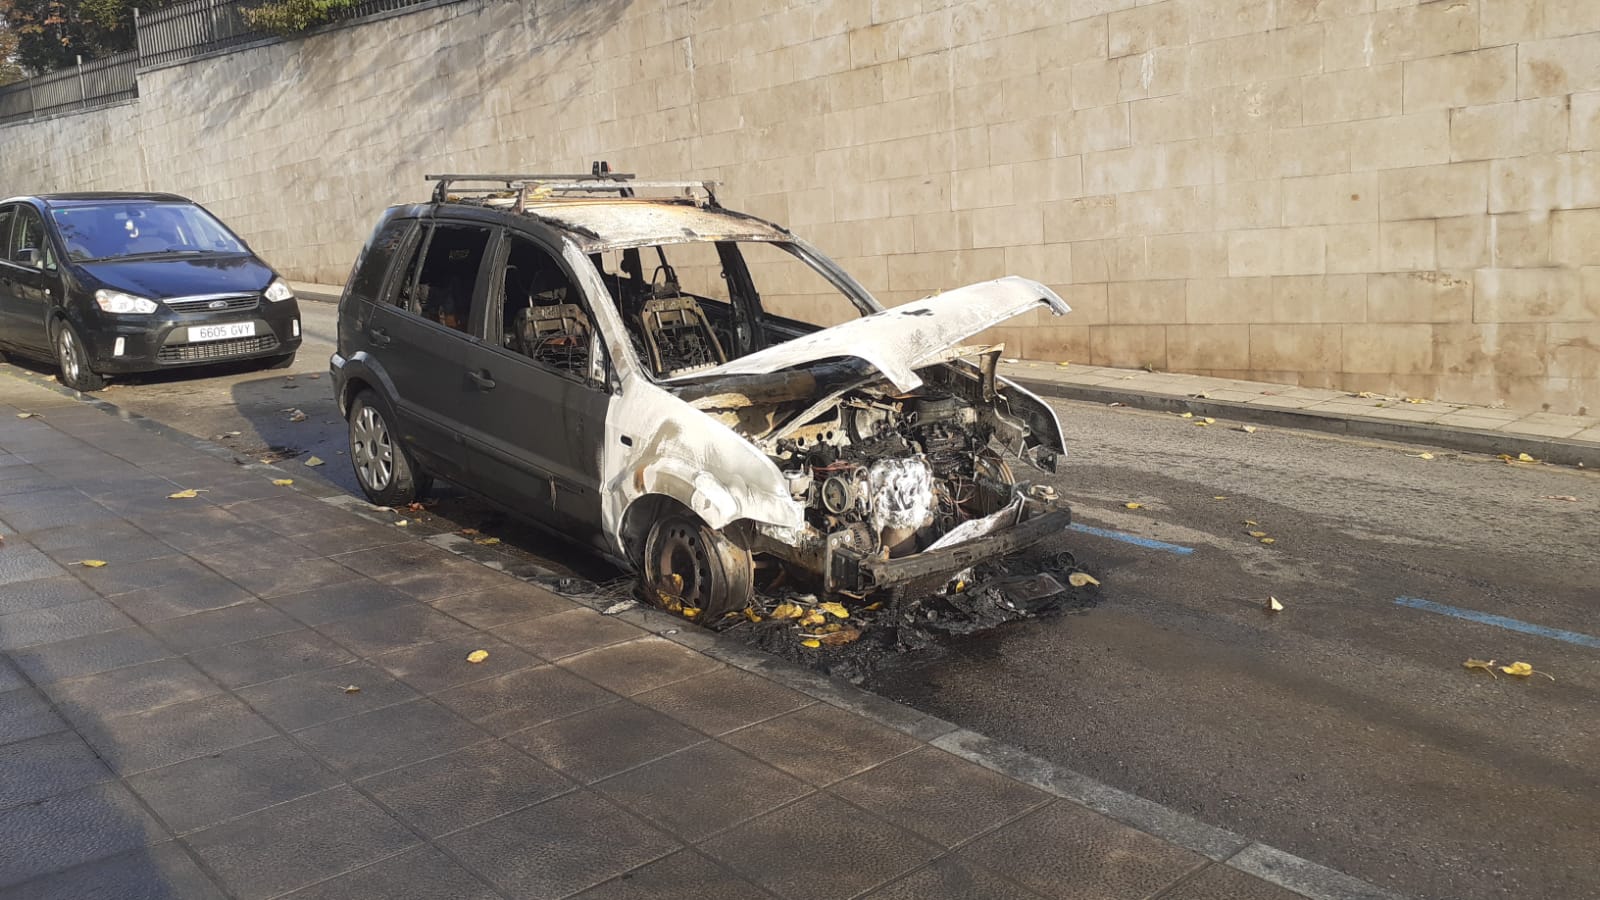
x: 73, y: 359
x: 386, y: 471
x: 687, y: 561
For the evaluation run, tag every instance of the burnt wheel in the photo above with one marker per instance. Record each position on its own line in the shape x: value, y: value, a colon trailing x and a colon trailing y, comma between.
x: 701, y: 567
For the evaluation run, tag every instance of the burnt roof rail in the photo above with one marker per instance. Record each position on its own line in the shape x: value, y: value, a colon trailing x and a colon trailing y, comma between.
x: 85, y: 86
x: 523, y: 188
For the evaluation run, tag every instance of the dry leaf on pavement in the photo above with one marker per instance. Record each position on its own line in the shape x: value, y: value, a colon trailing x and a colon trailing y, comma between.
x: 477, y: 656
x: 1273, y: 605
x: 813, y: 618
x: 787, y: 611
x: 296, y: 415
x: 1422, y: 455
x: 352, y: 689
x: 185, y: 494
x: 1248, y: 429
x: 93, y: 563
x: 1132, y: 505
x: 812, y: 643
x: 836, y: 610
x: 1187, y: 415
x: 1257, y: 534
x: 1523, y: 457
x: 1523, y: 670
x: 1267, y: 540
x: 488, y: 541
x: 402, y: 523
x: 28, y: 415
x: 314, y: 461
x: 1567, y: 497
x: 283, y: 482
x: 1081, y: 579
x: 1220, y: 497
x: 842, y: 636
x: 1480, y: 665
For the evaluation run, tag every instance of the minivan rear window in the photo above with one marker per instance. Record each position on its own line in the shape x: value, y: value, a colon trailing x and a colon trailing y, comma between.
x: 122, y: 230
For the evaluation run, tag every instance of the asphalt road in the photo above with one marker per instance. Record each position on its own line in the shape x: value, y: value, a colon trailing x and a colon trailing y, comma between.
x: 1343, y: 729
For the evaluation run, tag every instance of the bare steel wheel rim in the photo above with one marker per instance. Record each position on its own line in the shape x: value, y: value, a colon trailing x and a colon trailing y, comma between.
x: 683, y: 567
x: 67, y: 349
x: 371, y: 449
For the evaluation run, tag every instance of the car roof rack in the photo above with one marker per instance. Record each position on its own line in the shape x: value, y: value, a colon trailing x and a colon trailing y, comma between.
x: 515, y: 191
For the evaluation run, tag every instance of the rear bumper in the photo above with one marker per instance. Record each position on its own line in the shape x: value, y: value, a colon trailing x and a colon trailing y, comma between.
x: 851, y: 572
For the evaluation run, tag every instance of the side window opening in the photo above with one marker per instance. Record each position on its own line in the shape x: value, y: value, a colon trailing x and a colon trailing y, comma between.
x: 667, y: 320
x: 29, y: 246
x: 542, y: 315
x: 449, y: 274
x: 371, y: 267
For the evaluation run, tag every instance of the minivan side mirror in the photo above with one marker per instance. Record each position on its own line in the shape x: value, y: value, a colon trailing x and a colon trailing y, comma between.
x: 30, y: 256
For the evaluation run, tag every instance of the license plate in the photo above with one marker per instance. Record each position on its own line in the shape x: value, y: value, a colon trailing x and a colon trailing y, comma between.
x: 221, y: 332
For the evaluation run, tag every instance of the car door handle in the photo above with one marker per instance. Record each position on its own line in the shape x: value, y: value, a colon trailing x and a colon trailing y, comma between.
x: 481, y: 379
x: 380, y: 336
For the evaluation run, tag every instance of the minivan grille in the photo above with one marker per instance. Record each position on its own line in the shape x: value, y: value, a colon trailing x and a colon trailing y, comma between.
x: 231, y: 303
x: 216, y: 349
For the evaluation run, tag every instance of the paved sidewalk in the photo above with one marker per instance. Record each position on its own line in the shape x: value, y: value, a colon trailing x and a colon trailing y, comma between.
x: 1568, y: 440
x: 263, y: 693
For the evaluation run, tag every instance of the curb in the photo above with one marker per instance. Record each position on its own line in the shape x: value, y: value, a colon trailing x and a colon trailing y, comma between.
x: 1220, y: 846
x: 1559, y: 451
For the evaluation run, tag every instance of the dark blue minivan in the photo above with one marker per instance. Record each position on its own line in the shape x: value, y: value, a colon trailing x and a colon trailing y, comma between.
x: 110, y: 283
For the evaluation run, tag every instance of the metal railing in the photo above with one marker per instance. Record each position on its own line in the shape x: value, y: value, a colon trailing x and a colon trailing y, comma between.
x: 84, y: 86
x: 175, y: 34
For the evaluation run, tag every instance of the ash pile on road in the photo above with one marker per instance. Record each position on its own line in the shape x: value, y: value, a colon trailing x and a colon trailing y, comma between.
x: 853, y: 642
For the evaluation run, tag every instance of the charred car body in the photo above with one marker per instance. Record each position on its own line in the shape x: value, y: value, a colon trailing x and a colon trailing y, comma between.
x: 697, y: 392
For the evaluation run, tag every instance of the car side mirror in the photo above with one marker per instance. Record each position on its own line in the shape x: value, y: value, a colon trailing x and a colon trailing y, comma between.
x: 30, y: 256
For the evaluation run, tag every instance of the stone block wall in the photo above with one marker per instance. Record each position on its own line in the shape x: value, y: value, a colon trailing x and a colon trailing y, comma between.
x: 1385, y: 195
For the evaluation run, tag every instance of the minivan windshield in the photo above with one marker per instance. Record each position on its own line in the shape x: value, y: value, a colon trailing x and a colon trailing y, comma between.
x: 121, y: 230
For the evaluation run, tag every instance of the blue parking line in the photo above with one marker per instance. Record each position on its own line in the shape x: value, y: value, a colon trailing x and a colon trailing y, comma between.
x: 1472, y: 615
x: 1147, y: 543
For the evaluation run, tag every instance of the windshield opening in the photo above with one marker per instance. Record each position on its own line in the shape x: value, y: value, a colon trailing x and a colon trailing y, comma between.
x: 693, y: 306
x: 121, y: 230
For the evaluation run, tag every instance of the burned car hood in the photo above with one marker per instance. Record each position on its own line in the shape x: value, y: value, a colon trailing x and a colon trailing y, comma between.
x: 898, y: 341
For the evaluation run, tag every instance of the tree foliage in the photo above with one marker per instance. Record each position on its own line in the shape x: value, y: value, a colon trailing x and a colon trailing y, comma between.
x: 51, y: 34
x: 9, y: 70
x: 288, y: 17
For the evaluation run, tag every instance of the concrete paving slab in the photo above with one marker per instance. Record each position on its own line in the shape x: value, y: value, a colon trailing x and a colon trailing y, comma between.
x: 465, y: 787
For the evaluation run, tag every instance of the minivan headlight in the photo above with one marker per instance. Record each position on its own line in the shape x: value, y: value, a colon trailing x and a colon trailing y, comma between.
x: 123, y: 304
x: 278, y: 290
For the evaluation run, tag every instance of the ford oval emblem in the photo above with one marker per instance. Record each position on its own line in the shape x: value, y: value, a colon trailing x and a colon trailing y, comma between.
x: 217, y: 304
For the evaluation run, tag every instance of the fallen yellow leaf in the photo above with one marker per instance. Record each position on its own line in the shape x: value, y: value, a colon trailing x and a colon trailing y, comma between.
x: 1273, y: 605
x: 1248, y: 429
x: 186, y: 494
x: 1519, y: 669
x: 787, y: 611
x: 1523, y: 457
x: 488, y: 541
x: 477, y: 656
x: 1258, y: 534
x: 1134, y: 505
x: 1415, y: 400
x: 813, y: 643
x: 1248, y: 522
x: 1481, y: 665
x: 836, y: 610
x: 1422, y: 455
x: 283, y: 482
x: 352, y: 689
x: 1220, y: 497
x: 1186, y: 415
x: 468, y: 531
x: 27, y: 415
x: 690, y: 612
x: 93, y: 563
x: 1063, y: 364
x: 1209, y: 421
x: 1567, y: 497
x: 1269, y: 540
x: 813, y: 618
x: 751, y: 614
x: 874, y: 606
x: 401, y: 524
x: 314, y: 461
x: 1201, y: 424
x: 1081, y: 579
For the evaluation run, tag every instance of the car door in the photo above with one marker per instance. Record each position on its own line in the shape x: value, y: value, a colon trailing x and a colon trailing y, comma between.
x: 29, y: 281
x: 8, y: 212
x: 536, y: 408
x: 420, y: 336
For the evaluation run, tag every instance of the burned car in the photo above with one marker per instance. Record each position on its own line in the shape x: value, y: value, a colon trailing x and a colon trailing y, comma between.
x: 696, y: 392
